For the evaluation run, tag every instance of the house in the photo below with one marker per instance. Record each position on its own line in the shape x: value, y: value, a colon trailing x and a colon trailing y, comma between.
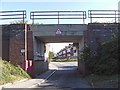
x: 69, y: 51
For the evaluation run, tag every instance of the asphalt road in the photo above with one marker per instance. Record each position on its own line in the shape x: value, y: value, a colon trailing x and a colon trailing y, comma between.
x: 65, y: 77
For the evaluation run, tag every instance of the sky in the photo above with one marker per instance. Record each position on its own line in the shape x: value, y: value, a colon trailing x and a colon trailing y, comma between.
x: 50, y: 5
x: 57, y: 5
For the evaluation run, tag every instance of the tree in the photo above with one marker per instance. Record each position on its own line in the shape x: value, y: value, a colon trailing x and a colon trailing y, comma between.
x: 51, y: 55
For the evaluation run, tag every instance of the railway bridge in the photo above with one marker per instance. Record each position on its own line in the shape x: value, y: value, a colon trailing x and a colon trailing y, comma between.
x: 27, y: 44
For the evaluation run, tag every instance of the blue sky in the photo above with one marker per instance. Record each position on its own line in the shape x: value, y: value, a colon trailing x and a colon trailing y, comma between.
x: 69, y: 5
x: 37, y: 5
x: 50, y: 5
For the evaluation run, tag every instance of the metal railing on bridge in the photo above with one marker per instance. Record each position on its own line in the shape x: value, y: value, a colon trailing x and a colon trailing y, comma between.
x: 114, y: 14
x: 58, y: 15
x: 9, y: 15
x: 35, y: 15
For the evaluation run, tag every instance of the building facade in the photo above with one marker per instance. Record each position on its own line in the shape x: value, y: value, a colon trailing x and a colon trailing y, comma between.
x: 69, y: 51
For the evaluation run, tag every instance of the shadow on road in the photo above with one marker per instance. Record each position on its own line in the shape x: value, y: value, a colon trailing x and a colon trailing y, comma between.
x: 64, y: 78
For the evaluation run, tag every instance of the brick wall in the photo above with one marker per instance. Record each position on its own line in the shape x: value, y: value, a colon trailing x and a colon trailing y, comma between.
x: 17, y: 44
x: 30, y: 44
x: 5, y: 42
x: 98, y: 34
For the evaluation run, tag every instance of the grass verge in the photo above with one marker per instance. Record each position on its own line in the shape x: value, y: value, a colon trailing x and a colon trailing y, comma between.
x: 64, y: 60
x: 10, y: 73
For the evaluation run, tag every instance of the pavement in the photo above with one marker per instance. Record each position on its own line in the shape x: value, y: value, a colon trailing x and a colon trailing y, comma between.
x: 32, y: 82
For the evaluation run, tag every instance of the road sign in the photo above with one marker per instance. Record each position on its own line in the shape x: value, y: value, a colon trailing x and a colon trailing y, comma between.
x: 58, y: 32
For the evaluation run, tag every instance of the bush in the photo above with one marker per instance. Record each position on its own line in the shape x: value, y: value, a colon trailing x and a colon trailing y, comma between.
x: 106, y: 62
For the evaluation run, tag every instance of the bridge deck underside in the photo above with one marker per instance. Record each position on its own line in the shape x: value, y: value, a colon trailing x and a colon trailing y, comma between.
x: 58, y: 39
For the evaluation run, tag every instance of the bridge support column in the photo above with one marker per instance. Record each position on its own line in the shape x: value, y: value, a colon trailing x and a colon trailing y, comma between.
x: 40, y: 64
x: 81, y: 63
